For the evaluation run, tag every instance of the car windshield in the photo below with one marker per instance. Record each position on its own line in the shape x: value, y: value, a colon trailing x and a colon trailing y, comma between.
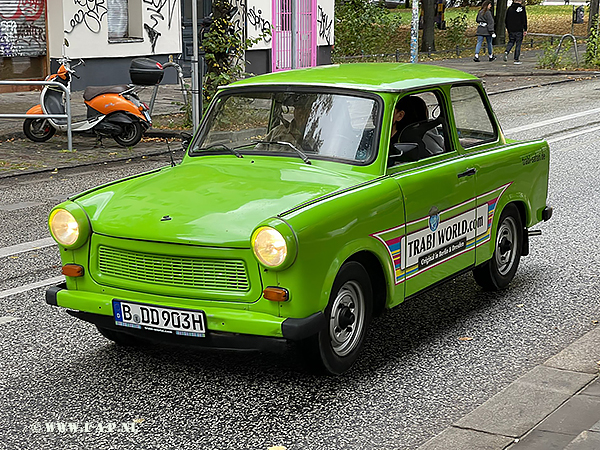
x: 300, y: 124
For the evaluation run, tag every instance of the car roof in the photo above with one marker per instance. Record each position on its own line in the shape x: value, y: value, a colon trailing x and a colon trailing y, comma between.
x: 377, y: 77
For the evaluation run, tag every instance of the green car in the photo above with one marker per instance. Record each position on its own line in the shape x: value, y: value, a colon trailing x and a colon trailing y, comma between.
x: 309, y: 201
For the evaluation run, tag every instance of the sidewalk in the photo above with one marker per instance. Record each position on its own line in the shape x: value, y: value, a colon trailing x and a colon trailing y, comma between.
x: 554, y: 406
x: 19, y: 155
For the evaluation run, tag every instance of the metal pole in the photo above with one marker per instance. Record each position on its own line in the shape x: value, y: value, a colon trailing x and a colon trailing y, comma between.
x: 414, y: 33
x: 294, y: 18
x: 69, y: 124
x: 195, y: 90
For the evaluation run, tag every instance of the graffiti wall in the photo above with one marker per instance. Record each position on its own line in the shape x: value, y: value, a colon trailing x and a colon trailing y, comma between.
x: 22, y: 28
x: 117, y: 28
x: 257, y: 17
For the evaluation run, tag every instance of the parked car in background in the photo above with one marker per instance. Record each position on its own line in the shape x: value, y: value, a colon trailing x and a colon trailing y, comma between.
x: 295, y: 216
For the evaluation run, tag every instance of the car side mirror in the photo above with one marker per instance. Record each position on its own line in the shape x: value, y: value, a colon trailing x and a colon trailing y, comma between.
x: 186, y: 138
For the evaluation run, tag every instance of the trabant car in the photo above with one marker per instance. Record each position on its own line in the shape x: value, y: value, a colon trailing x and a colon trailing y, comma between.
x: 303, y: 207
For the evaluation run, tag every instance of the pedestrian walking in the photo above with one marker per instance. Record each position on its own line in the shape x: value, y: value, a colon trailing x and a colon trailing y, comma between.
x: 485, y: 29
x: 516, y: 24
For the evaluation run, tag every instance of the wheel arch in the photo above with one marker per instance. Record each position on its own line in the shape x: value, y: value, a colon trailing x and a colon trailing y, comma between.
x: 522, y: 208
x: 376, y: 274
x: 376, y: 263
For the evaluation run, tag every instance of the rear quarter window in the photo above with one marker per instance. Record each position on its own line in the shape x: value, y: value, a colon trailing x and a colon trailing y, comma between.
x: 473, y: 123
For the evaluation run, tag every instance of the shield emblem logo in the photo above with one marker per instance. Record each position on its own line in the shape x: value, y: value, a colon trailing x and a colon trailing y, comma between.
x: 434, y: 221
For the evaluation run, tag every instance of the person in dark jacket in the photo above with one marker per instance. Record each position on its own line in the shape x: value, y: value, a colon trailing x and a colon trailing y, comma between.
x: 485, y: 29
x: 516, y: 24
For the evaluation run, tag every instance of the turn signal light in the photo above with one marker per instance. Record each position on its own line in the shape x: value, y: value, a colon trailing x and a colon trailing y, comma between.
x: 72, y: 270
x: 276, y: 294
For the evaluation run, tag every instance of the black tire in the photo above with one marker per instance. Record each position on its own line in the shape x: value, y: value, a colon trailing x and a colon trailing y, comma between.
x: 38, y: 130
x: 119, y: 338
x: 131, y: 135
x: 348, y: 315
x: 498, y: 272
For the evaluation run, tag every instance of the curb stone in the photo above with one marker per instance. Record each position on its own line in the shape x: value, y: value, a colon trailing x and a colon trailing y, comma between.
x: 524, y: 405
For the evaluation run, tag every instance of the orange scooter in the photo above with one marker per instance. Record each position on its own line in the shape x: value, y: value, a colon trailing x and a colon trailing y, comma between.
x: 114, y: 111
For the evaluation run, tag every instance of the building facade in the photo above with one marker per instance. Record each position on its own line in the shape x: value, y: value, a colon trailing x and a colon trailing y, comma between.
x: 108, y: 34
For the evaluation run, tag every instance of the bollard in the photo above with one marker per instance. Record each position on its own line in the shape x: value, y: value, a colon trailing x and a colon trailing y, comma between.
x: 397, y: 55
x: 457, y: 51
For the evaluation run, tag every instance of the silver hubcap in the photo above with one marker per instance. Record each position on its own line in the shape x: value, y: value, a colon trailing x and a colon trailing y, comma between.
x: 505, y: 245
x: 347, y: 318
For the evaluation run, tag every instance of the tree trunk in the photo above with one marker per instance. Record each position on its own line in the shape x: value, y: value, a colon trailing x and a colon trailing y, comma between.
x: 499, y: 23
x: 428, y: 41
x: 593, y: 13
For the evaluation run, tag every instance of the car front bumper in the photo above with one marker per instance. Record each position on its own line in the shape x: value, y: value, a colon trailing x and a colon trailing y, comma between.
x: 236, y: 329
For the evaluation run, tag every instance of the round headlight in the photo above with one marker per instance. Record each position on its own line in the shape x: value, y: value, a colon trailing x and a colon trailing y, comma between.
x: 64, y: 227
x: 269, y: 246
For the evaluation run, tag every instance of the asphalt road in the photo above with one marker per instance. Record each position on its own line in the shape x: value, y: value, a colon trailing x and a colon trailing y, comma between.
x: 415, y: 378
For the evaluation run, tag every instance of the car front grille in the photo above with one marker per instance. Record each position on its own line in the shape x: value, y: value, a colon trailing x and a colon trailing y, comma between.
x: 178, y: 271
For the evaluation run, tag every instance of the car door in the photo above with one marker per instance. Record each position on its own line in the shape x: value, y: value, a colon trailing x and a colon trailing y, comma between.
x: 440, y: 210
x: 478, y: 134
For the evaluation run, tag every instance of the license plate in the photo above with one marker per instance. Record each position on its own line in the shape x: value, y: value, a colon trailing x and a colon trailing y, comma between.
x: 183, y: 322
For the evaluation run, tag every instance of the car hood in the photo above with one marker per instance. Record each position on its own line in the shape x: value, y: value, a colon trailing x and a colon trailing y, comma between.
x: 212, y: 200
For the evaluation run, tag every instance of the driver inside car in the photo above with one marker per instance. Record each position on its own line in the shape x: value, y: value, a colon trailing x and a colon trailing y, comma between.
x: 294, y: 130
x: 408, y: 112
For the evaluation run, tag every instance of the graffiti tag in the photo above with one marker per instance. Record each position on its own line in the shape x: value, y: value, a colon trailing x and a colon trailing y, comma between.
x: 155, y: 9
x: 259, y: 23
x: 30, y: 10
x: 325, y: 24
x: 21, y: 39
x: 90, y: 13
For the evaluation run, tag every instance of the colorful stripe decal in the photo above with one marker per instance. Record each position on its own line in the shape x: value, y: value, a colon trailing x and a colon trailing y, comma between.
x: 444, y: 236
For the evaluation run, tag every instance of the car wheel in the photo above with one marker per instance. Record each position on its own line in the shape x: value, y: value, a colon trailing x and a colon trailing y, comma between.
x: 118, y: 337
x: 38, y: 130
x: 348, y: 316
x: 131, y: 135
x: 498, y: 272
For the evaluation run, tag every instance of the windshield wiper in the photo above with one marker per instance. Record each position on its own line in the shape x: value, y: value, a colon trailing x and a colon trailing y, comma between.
x: 300, y: 153
x: 229, y: 149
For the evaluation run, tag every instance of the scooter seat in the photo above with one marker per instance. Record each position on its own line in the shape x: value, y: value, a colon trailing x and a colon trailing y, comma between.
x: 94, y: 91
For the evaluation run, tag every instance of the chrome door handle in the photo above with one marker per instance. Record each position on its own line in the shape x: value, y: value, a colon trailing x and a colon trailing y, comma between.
x: 467, y: 173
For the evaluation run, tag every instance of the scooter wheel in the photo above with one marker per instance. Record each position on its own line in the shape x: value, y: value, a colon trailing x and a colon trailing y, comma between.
x: 131, y: 135
x: 38, y: 130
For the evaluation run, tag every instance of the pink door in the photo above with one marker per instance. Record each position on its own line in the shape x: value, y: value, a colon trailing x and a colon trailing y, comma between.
x: 305, y: 26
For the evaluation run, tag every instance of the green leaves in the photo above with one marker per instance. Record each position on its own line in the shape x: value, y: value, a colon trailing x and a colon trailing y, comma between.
x: 592, y: 50
x: 363, y: 27
x: 225, y: 46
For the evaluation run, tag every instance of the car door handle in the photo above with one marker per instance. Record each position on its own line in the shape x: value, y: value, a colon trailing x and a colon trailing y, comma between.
x: 467, y: 173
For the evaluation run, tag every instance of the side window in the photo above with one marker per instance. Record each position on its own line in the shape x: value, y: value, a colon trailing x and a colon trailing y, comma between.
x: 473, y: 123
x: 419, y: 128
x: 124, y: 20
